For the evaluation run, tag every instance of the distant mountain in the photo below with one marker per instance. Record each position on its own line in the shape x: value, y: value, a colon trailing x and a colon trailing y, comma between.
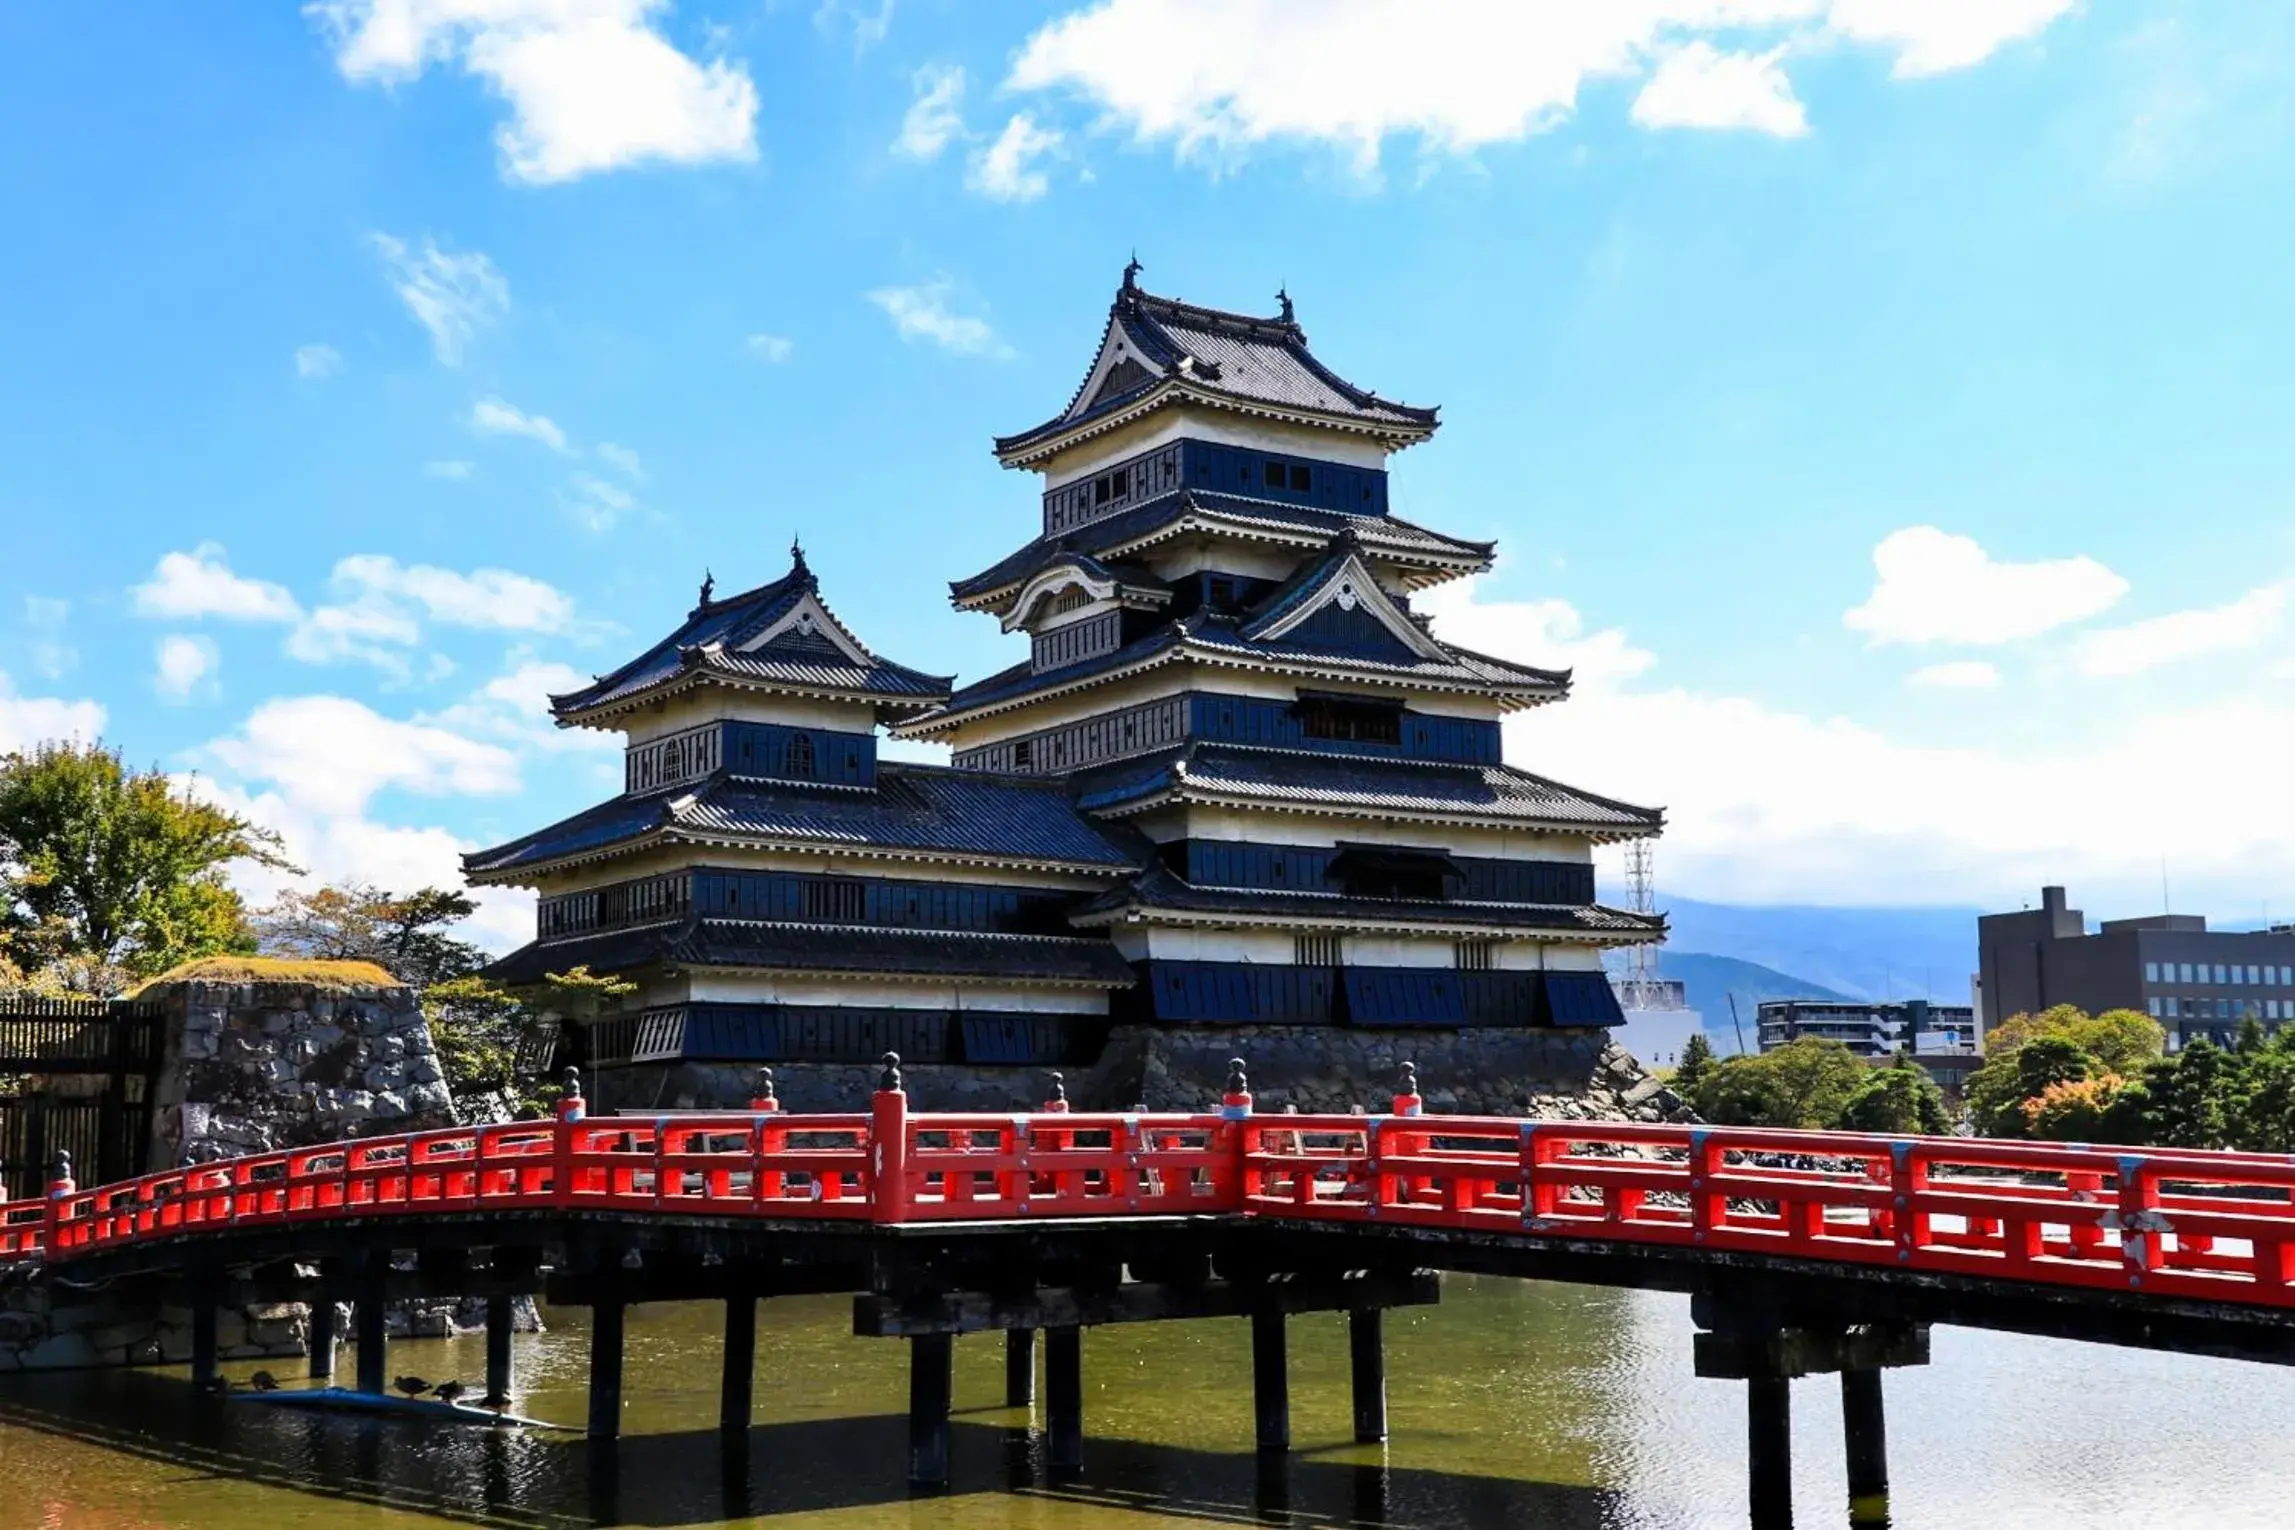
x: 1862, y: 953
x: 1710, y: 981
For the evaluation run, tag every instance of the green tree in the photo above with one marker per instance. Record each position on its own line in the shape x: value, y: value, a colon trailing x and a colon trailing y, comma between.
x: 1897, y: 1099
x: 2261, y: 1114
x: 490, y: 1038
x: 116, y: 873
x: 408, y: 936
x: 2079, y: 1110
x: 1805, y: 1083
x: 2190, y: 1098
x: 1696, y: 1063
x: 2118, y: 1041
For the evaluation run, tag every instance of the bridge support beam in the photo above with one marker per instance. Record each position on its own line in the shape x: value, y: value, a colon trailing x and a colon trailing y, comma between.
x: 501, y: 1375
x: 1367, y: 1354
x: 606, y: 1368
x: 931, y: 1361
x: 367, y: 1324
x: 1019, y: 1367
x: 1064, y: 1400
x: 1270, y: 1383
x: 1769, y: 1451
x: 204, y: 1369
x: 1864, y: 1430
x: 737, y: 1385
x: 322, y: 1337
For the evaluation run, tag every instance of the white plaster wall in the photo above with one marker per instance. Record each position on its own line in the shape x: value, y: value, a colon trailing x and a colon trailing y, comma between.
x: 931, y: 993
x: 718, y: 703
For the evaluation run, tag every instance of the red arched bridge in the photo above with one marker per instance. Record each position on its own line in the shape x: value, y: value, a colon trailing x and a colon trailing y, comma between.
x: 1803, y: 1251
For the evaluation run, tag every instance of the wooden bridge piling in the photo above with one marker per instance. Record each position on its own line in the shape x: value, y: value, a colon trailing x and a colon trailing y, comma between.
x: 736, y: 1391
x: 320, y: 1331
x: 204, y: 1369
x: 368, y: 1323
x: 1064, y: 1400
x: 1367, y: 1365
x: 1864, y: 1430
x: 931, y: 1385
x: 1270, y: 1382
x: 1020, y: 1368
x: 1769, y: 1451
x: 501, y: 1372
x: 606, y: 1314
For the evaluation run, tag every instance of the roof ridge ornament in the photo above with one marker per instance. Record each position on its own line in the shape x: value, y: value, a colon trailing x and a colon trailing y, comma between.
x: 1131, y: 273
x: 798, y: 568
x: 1283, y: 299
x: 708, y: 587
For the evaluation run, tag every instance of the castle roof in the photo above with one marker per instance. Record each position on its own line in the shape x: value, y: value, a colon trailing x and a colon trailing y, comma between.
x: 777, y: 637
x: 1157, y: 350
x: 1309, y: 781
x: 914, y: 812
x: 859, y: 951
x: 1429, y: 555
x: 1159, y: 890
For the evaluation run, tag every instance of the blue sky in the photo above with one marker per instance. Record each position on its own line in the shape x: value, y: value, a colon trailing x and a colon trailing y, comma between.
x: 1881, y: 402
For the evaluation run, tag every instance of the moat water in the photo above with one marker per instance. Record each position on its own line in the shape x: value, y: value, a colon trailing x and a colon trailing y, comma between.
x: 1511, y: 1404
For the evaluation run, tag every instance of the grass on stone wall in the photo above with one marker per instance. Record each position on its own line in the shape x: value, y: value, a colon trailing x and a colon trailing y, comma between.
x: 274, y: 969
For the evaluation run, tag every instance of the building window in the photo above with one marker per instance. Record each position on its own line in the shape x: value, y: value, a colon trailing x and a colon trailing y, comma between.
x: 1276, y: 476
x: 2152, y: 1006
x: 1353, y: 722
x: 1474, y: 955
x: 2251, y: 977
x: 2219, y: 977
x: 1319, y: 950
x: 2151, y: 972
x: 797, y: 757
x: 838, y: 901
x: 2183, y: 971
x: 1024, y: 754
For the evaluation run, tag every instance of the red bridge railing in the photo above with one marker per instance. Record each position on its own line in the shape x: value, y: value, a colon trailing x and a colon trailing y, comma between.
x: 2216, y: 1226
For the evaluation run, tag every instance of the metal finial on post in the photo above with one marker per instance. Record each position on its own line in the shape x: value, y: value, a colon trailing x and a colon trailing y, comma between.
x: 1407, y: 1101
x: 1236, y: 1082
x: 765, y: 1084
x: 60, y: 1170
x: 571, y: 1106
x: 1056, y: 1098
x: 889, y: 1080
x: 1236, y: 1103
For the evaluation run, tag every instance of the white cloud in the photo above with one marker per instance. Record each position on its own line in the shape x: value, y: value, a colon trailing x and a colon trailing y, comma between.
x: 317, y: 361
x: 596, y: 503
x: 932, y: 118
x: 29, y: 720
x: 52, y: 656
x: 514, y: 708
x: 186, y: 666
x: 495, y: 417
x: 622, y: 460
x: 333, y: 755
x: 492, y: 598
x: 771, y: 348
x: 1767, y: 805
x: 1956, y: 675
x: 1935, y: 587
x: 1221, y: 76
x: 922, y: 313
x: 452, y: 468
x: 869, y: 27
x: 452, y: 296
x: 1935, y: 36
x: 1004, y: 171
x: 592, y: 85
x: 370, y: 634
x: 2247, y: 622
x: 189, y: 585
x: 1699, y: 86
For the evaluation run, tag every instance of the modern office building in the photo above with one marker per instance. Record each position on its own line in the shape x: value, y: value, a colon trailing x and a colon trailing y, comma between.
x: 1871, y: 1030
x: 2193, y: 980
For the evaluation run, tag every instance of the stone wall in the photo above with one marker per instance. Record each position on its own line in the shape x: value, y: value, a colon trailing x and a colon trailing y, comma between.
x: 256, y: 1066
x: 1554, y: 1074
x: 48, y: 1327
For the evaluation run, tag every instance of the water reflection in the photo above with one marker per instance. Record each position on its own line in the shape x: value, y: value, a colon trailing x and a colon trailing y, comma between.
x: 1510, y: 1405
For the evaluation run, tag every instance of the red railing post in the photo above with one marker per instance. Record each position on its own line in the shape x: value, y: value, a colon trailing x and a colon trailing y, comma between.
x: 888, y: 1147
x: 571, y: 1108
x: 60, y: 1189
x: 1235, y: 1116
x: 2141, y: 1224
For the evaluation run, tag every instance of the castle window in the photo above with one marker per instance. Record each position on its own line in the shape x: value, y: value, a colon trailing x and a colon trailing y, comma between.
x: 1347, y: 721
x: 1222, y: 593
x: 1276, y: 476
x: 1121, y: 481
x: 1302, y: 477
x: 1024, y: 754
x: 836, y: 901
x: 1319, y: 950
x: 797, y: 756
x: 1474, y: 955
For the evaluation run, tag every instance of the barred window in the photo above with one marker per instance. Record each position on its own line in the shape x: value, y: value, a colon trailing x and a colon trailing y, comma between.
x: 839, y: 901
x: 797, y: 756
x: 1319, y: 950
x: 1475, y: 955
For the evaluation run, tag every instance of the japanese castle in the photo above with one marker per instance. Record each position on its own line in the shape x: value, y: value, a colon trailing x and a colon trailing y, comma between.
x: 1238, y: 781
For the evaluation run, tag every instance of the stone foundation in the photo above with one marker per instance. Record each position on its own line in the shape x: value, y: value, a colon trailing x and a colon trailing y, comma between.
x: 250, y: 1067
x: 1552, y: 1074
x: 46, y: 1327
